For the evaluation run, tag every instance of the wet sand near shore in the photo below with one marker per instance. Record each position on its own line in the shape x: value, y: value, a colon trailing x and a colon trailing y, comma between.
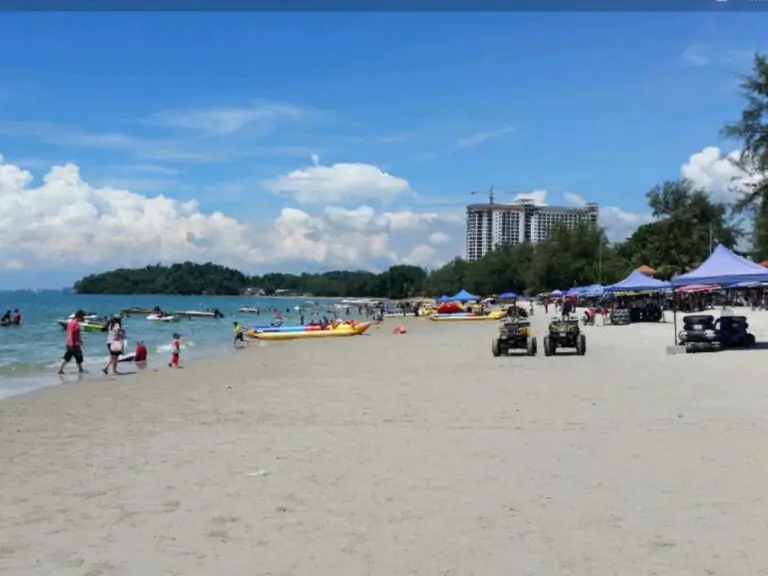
x: 391, y: 455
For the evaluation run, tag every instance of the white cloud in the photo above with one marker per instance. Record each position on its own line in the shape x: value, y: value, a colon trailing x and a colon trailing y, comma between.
x: 261, y: 116
x: 179, y: 150
x: 539, y: 197
x: 64, y: 221
x: 480, y: 137
x: 365, y: 218
x: 619, y: 224
x: 338, y: 183
x: 696, y: 55
x: 438, y: 238
x: 573, y: 199
x: 716, y: 172
x: 421, y: 255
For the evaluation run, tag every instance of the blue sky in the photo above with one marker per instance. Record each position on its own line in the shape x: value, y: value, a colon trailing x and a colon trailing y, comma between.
x: 289, y: 123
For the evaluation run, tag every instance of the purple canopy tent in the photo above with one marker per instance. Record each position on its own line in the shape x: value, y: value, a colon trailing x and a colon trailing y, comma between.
x: 723, y: 267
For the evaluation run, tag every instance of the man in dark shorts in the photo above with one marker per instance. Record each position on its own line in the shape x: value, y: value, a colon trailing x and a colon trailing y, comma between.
x: 74, y: 343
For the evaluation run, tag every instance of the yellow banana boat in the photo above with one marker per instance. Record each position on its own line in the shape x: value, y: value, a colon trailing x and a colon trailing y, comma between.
x: 338, y: 332
x: 466, y: 317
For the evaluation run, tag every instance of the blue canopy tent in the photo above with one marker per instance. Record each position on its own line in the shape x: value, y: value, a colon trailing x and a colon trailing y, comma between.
x: 637, y: 281
x: 724, y: 268
x: 444, y: 299
x: 507, y: 296
x: 574, y: 292
x: 594, y: 290
x: 464, y: 296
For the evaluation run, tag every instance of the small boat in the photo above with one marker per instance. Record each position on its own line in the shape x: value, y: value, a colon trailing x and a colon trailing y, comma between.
x: 466, y: 317
x: 137, y: 311
x: 331, y: 332
x: 162, y: 318
x: 199, y: 314
x: 87, y: 326
x: 90, y: 316
x: 249, y: 310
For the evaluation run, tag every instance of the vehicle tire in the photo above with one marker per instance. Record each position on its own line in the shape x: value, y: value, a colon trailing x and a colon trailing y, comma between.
x: 496, y: 348
x: 750, y: 340
x: 547, y: 346
x: 581, y: 345
x: 530, y: 347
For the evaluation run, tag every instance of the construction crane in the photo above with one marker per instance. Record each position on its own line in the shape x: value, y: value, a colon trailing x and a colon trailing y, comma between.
x: 490, y: 194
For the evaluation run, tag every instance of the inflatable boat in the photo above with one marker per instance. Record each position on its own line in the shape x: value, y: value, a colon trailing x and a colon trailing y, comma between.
x: 315, y: 332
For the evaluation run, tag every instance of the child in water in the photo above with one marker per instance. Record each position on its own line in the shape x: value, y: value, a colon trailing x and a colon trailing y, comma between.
x: 175, y: 351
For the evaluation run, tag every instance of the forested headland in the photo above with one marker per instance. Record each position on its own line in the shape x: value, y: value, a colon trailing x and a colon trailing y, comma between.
x: 687, y: 222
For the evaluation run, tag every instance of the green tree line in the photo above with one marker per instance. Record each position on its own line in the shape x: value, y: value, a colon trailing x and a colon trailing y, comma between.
x: 687, y: 222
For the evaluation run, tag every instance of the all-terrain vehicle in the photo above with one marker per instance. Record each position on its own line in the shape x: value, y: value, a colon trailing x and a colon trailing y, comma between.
x: 514, y: 335
x: 565, y: 333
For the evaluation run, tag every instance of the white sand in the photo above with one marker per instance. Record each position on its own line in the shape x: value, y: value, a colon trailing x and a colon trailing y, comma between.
x: 396, y: 455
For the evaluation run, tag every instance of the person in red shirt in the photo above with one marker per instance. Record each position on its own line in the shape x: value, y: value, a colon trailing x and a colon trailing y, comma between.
x: 175, y: 351
x: 73, y: 343
x: 140, y: 355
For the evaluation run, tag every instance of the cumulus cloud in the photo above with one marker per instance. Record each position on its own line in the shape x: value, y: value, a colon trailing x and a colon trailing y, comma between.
x: 66, y: 221
x: 421, y: 255
x: 343, y: 182
x: 716, y: 172
x: 365, y: 218
x: 438, y: 238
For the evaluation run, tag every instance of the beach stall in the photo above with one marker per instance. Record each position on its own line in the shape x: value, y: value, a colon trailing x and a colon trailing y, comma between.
x: 703, y: 331
x: 632, y: 286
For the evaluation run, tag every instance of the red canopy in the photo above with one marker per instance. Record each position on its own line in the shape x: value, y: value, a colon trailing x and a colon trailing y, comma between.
x: 449, y: 308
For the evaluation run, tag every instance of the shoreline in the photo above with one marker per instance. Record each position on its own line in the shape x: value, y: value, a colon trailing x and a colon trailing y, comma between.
x: 45, y: 379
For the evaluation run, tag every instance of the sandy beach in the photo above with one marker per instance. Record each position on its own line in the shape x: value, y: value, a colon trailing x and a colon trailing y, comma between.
x: 389, y: 455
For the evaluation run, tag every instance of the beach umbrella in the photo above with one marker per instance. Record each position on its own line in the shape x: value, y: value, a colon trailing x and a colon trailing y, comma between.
x: 508, y: 296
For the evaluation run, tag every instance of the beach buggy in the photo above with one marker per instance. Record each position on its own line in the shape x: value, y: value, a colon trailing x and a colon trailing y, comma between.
x: 514, y: 334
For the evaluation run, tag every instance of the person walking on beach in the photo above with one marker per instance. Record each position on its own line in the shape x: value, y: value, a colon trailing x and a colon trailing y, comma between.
x: 115, y: 344
x: 238, y: 334
x: 175, y: 351
x: 73, y: 343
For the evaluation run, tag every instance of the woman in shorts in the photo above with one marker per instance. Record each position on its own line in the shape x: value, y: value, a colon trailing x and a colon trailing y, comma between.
x: 115, y: 344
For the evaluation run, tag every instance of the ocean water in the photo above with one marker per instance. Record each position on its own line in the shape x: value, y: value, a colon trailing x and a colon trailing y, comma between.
x: 30, y: 353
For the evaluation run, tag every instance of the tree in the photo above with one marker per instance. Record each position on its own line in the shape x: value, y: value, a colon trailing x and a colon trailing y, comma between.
x: 751, y: 131
x: 574, y: 257
x: 688, y: 225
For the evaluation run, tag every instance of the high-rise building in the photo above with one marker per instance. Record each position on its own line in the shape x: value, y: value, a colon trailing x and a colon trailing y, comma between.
x: 490, y: 225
